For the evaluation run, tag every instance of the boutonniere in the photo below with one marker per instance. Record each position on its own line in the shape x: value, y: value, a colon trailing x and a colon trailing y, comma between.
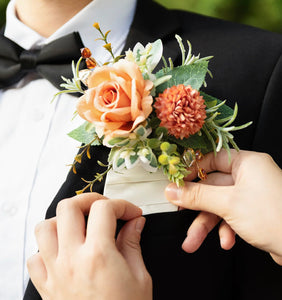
x: 160, y: 120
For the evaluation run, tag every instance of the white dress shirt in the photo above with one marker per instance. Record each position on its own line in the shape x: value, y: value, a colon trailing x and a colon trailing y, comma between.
x: 34, y: 146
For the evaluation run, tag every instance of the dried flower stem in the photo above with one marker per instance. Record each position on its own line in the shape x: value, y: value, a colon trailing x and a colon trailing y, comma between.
x: 78, y: 157
x: 98, y: 177
x: 107, y: 45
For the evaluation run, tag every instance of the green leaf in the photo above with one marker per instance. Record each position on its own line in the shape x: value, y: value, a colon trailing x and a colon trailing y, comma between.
x: 118, y: 141
x: 193, y: 75
x: 154, y: 143
x: 211, y: 103
x: 140, y: 131
x: 120, y: 162
x: 154, y: 122
x: 89, y: 126
x: 149, y: 156
x: 101, y: 164
x: 133, y: 158
x: 224, y: 110
x: 161, y: 130
x: 172, y: 149
x: 195, y: 142
x: 161, y: 80
x: 154, y: 162
x: 85, y: 134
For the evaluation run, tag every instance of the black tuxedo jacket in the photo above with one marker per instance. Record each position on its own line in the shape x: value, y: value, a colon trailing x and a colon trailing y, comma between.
x: 247, y: 68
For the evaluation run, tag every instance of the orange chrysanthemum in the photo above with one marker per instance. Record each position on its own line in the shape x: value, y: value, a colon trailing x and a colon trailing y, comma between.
x: 181, y: 110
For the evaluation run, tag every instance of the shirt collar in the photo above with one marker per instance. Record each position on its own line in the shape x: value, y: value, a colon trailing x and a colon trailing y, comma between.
x: 116, y: 16
x: 18, y: 32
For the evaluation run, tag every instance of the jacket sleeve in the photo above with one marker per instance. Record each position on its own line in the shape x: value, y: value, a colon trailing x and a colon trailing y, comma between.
x: 31, y: 292
x: 269, y: 127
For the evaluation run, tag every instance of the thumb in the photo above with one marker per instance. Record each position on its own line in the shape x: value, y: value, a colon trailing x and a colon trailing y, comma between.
x: 198, y: 196
x: 128, y: 243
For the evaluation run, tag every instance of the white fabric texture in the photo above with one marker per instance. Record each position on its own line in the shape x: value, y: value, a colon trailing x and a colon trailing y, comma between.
x: 34, y: 147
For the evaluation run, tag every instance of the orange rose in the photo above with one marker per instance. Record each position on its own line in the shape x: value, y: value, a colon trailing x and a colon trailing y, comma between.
x: 117, y: 100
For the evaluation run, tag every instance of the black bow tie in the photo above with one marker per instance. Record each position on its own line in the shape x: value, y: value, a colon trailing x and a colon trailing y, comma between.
x: 51, y: 62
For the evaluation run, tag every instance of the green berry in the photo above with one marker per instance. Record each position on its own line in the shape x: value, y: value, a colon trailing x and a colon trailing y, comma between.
x: 163, y: 159
x: 165, y: 146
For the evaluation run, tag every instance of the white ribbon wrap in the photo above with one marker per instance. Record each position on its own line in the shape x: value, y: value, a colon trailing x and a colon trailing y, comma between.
x: 141, y: 188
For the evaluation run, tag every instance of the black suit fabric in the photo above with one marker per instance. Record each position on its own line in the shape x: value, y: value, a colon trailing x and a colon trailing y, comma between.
x: 247, y: 69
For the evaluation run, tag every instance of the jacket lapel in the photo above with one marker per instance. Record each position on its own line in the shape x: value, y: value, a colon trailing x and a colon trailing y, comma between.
x: 147, y: 26
x: 152, y: 22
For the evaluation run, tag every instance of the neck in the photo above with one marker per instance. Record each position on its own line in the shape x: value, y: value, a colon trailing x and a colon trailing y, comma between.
x: 46, y: 16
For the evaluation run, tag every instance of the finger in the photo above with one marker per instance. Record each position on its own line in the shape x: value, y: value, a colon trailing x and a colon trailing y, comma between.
x: 205, y: 221
x: 219, y: 162
x: 47, y: 240
x: 102, y: 219
x: 71, y: 219
x: 37, y: 271
x: 219, y: 179
x: 199, y: 230
x: 226, y: 236
x: 128, y: 243
x: 198, y: 196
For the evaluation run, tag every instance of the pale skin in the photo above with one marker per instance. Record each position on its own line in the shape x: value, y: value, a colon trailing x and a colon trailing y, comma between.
x: 88, y: 259
x: 78, y: 263
x: 246, y: 194
x: 47, y: 16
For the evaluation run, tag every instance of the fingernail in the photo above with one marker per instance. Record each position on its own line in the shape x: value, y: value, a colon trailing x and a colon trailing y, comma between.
x: 139, y: 225
x: 172, y: 192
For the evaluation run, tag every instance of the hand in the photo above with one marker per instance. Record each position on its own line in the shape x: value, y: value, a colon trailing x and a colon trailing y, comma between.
x: 75, y: 262
x: 251, y: 206
x: 205, y: 221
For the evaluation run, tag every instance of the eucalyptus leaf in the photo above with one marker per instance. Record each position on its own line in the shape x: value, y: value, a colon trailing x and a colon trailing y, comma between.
x: 89, y: 126
x: 193, y: 75
x: 85, y: 134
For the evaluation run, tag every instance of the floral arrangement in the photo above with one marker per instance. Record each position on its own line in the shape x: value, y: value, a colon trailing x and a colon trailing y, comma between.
x: 159, y: 120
